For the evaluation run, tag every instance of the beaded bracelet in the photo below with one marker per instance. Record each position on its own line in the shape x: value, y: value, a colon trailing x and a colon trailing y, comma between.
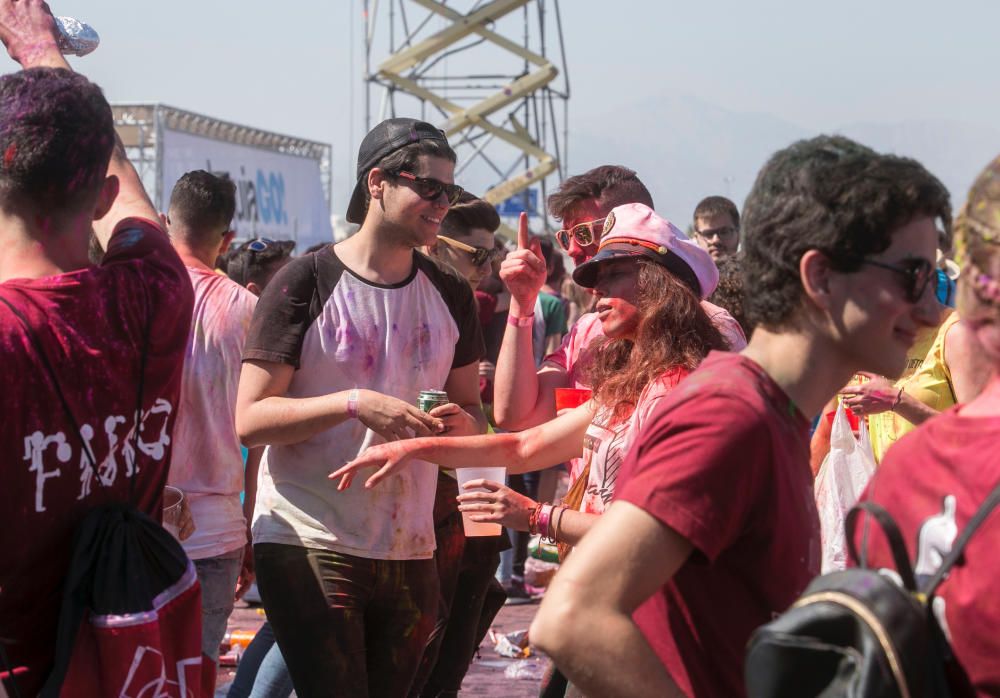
x: 352, y: 404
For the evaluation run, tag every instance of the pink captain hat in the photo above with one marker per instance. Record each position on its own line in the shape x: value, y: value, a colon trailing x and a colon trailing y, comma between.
x: 636, y: 230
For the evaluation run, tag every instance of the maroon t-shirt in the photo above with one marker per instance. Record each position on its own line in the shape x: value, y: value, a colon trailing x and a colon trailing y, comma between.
x: 932, y: 481
x: 91, y: 325
x: 724, y: 461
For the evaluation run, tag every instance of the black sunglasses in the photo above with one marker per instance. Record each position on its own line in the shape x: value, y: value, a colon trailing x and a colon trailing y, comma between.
x: 429, y: 189
x: 917, y: 274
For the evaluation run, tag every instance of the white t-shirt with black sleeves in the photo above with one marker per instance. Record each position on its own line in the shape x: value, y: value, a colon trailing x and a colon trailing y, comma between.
x: 341, y: 332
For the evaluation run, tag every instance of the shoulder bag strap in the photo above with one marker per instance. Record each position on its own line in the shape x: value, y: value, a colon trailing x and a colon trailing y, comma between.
x: 895, y: 539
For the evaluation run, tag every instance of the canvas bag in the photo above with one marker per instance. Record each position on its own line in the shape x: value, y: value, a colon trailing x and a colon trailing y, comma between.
x: 130, y: 618
x: 842, y: 478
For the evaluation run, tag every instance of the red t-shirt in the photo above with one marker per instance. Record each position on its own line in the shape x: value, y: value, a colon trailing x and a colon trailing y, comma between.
x: 724, y: 461
x: 91, y: 325
x: 932, y: 481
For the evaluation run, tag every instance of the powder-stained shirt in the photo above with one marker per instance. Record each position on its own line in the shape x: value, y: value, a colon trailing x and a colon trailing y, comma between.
x: 91, y: 325
x: 724, y: 461
x: 207, y: 463
x: 341, y: 332
x: 605, y: 445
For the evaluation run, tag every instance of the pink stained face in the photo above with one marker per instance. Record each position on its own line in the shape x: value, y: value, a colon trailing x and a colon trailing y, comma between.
x: 617, y: 290
x: 586, y: 210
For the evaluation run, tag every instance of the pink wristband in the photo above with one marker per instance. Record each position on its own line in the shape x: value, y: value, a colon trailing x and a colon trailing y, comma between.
x: 352, y: 404
x: 526, y: 321
x: 544, y: 517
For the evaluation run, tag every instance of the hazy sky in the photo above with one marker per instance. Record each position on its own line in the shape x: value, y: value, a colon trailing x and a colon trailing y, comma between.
x: 296, y: 66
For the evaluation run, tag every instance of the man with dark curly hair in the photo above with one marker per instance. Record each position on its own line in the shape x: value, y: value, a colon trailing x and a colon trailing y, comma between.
x: 72, y: 333
x: 714, y: 527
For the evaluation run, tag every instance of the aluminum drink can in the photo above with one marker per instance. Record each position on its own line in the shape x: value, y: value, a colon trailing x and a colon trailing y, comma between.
x: 429, y: 399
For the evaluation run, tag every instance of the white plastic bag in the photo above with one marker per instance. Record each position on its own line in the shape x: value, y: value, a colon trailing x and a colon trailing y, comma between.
x: 842, y: 478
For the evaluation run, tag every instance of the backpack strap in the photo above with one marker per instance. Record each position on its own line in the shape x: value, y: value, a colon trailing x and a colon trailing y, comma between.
x: 895, y: 539
x: 984, y: 510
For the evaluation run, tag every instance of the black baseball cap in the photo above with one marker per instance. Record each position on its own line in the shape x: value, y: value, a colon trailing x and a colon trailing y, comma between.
x: 385, y: 139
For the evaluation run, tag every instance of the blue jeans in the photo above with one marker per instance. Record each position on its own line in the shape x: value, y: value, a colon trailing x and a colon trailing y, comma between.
x: 262, y: 672
x: 217, y: 576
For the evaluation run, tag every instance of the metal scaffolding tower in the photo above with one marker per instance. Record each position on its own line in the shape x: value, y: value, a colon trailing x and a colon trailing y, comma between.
x: 502, y: 101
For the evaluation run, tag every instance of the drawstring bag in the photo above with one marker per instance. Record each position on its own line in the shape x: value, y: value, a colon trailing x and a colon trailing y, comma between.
x: 130, y: 620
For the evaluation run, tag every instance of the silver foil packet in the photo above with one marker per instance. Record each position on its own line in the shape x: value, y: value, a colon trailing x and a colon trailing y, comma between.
x: 75, y: 38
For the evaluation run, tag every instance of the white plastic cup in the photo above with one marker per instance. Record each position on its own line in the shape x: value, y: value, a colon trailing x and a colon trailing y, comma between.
x: 172, y: 498
x: 464, y: 475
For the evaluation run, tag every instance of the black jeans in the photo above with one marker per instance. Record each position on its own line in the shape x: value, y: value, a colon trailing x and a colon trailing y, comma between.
x: 526, y: 484
x: 347, y: 625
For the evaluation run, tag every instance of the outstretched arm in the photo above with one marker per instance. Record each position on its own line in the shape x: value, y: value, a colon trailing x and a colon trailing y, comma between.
x: 27, y: 29
x: 554, y: 442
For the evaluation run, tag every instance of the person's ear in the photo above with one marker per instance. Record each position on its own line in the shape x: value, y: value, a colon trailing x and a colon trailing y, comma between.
x: 106, y: 197
x: 227, y: 240
x: 817, y: 277
x: 377, y: 182
x: 254, y: 288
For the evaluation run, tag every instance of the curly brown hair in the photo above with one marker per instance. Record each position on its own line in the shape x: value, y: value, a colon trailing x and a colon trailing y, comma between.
x: 674, y: 332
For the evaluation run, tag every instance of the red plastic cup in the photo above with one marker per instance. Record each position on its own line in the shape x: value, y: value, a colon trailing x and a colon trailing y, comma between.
x: 569, y: 398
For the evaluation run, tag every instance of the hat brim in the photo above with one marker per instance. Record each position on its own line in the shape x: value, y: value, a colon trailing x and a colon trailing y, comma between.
x: 356, y: 207
x: 586, y: 274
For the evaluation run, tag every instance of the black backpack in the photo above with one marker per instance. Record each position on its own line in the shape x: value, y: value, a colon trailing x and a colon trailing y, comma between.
x: 856, y: 632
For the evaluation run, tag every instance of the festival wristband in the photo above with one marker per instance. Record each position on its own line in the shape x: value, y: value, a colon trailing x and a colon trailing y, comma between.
x: 544, y: 517
x: 352, y: 404
x: 525, y: 321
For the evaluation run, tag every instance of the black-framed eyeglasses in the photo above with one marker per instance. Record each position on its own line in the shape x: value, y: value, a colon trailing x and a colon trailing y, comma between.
x: 480, y: 255
x: 585, y: 234
x: 429, y: 189
x: 726, y: 233
x: 917, y: 275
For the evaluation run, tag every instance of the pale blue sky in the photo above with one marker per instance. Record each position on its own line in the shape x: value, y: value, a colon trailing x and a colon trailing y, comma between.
x: 287, y: 66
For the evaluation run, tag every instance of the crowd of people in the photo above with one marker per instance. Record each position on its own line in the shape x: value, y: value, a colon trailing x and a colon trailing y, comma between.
x: 279, y: 395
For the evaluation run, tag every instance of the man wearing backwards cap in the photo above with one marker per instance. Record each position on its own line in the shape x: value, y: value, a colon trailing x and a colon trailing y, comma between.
x: 341, y: 344
x: 714, y: 528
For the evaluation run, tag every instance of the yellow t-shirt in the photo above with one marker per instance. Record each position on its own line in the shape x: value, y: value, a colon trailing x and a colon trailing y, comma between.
x: 927, y: 380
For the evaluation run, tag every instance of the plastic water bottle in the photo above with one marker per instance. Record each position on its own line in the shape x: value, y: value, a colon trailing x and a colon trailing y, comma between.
x: 75, y: 38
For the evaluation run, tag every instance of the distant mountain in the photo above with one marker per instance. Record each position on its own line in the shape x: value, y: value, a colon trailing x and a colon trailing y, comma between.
x: 685, y: 148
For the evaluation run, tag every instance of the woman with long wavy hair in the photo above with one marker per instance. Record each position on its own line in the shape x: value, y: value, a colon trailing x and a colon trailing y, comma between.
x: 649, y: 279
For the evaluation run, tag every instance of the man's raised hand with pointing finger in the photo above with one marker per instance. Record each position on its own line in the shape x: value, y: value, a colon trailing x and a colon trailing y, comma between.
x: 524, y: 272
